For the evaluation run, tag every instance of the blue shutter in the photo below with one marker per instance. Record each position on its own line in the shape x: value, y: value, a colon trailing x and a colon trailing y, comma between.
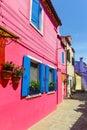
x: 47, y: 78
x: 35, y: 12
x: 62, y: 57
x: 26, y: 76
x: 41, y: 76
x: 55, y: 77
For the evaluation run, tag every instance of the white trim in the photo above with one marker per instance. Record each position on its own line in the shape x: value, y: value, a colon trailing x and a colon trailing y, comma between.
x: 51, y: 66
x: 51, y: 92
x: 33, y: 58
x: 32, y: 96
x: 40, y: 31
x: 30, y: 8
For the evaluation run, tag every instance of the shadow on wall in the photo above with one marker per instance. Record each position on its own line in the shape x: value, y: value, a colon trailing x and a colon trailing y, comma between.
x: 5, y: 82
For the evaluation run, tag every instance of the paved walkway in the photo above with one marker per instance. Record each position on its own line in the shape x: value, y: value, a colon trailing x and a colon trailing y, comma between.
x: 71, y: 114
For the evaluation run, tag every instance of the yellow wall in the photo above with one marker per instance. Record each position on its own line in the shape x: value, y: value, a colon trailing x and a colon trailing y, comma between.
x: 78, y: 82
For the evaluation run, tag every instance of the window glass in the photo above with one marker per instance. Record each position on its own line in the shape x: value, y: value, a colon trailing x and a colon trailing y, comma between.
x: 33, y: 71
x: 50, y: 75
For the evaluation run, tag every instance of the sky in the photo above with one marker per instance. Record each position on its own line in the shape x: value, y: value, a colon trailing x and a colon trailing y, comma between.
x: 73, y: 15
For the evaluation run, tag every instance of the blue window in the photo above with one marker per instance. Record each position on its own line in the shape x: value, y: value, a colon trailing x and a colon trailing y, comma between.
x: 37, y: 14
x: 51, y: 79
x: 62, y: 57
x: 34, y: 71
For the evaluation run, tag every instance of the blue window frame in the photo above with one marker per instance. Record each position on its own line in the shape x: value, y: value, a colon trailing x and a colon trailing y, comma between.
x: 36, y: 14
x: 46, y: 75
x: 27, y: 77
x: 51, y: 77
x: 62, y: 57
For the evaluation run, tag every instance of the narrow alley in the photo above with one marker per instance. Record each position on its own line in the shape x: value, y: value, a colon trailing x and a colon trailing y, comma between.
x: 71, y: 114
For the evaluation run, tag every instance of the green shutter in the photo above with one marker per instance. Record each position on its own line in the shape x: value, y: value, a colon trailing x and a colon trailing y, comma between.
x: 72, y: 61
x: 68, y: 55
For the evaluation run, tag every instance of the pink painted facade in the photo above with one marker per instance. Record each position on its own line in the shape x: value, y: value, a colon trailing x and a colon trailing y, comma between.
x: 61, y: 69
x: 17, y: 112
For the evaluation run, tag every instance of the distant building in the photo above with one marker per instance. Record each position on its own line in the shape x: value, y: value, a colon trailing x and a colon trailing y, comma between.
x: 70, y: 56
x: 61, y: 68
x: 81, y: 68
x: 78, y: 83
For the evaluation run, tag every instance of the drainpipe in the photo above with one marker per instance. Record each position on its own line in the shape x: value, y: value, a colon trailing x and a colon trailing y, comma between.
x: 66, y: 72
x: 57, y: 64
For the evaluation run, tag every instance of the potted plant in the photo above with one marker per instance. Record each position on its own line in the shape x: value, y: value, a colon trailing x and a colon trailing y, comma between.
x: 34, y: 86
x: 17, y: 73
x: 51, y: 86
x: 7, y: 69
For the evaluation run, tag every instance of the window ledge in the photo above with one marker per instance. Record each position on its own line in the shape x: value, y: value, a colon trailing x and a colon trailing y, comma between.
x: 32, y: 96
x: 51, y: 92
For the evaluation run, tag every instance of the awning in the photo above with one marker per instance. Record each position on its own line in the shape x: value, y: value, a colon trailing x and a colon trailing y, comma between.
x: 7, y: 34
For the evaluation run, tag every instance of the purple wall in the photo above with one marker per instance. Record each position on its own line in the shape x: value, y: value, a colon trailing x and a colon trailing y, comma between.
x: 80, y: 67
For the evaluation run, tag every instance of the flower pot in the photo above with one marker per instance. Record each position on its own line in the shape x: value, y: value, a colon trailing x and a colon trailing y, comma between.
x: 15, y: 79
x: 6, y: 74
x: 32, y: 92
x: 51, y: 88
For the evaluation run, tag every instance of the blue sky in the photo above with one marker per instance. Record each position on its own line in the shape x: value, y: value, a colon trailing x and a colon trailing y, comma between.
x: 73, y: 14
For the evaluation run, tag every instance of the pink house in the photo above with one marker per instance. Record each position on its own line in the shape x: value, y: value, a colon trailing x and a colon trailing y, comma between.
x: 28, y: 38
x: 61, y: 50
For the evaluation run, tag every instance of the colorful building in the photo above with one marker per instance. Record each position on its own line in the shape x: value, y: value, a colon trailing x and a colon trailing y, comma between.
x: 78, y: 86
x: 62, y: 68
x: 81, y: 68
x: 28, y: 38
x: 70, y: 65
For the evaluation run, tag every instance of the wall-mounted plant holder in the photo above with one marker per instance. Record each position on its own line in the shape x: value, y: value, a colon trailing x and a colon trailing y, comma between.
x: 16, y: 79
x: 6, y: 74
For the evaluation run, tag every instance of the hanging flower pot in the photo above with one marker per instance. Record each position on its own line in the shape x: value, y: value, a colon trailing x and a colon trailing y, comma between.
x: 16, y: 79
x: 7, y: 68
x: 6, y: 74
x: 17, y: 73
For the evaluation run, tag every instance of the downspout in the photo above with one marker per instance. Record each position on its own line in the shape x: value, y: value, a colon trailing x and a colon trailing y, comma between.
x: 66, y: 71
x: 58, y: 37
x: 57, y: 64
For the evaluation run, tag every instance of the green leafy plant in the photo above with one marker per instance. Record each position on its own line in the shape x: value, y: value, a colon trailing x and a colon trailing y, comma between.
x: 34, y: 85
x: 52, y: 84
x: 18, y: 70
x: 8, y: 66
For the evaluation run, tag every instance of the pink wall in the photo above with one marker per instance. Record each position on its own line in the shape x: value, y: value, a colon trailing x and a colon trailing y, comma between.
x: 61, y: 70
x: 17, y: 113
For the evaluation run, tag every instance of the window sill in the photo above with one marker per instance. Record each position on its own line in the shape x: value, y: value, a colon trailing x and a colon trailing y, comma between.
x: 51, y: 92
x: 33, y: 96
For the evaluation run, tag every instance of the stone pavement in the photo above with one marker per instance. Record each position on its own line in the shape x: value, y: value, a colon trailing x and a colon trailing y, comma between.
x: 71, y: 114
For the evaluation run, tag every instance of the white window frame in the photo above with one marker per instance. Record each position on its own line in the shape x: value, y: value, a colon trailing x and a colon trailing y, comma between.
x: 41, y: 22
x: 34, y: 59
